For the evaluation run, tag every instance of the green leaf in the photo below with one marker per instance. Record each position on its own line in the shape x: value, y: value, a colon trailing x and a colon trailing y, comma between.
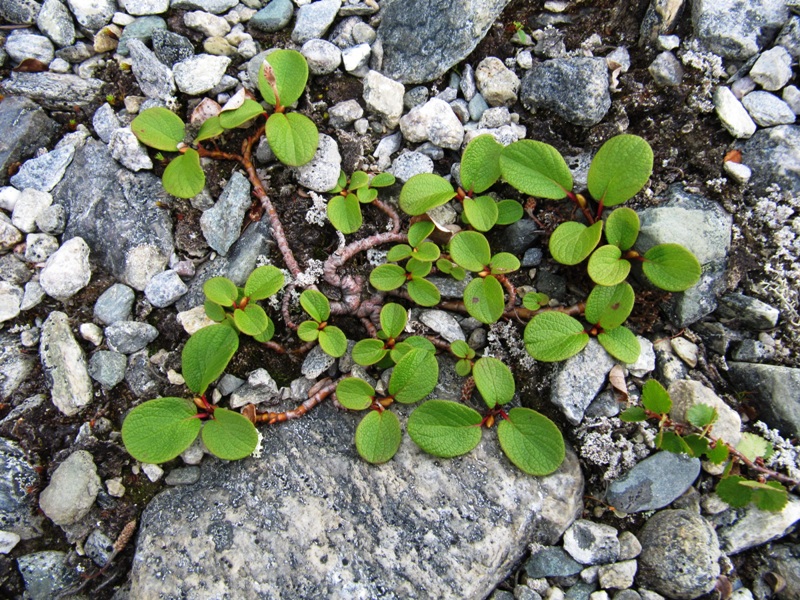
x: 229, y: 435
x: 393, y: 319
x: 508, y: 212
x: 732, y: 492
x: 536, y: 169
x: 471, y: 250
x: 308, y: 331
x: 159, y: 430
x: 263, y: 282
x: 419, y: 231
x: 220, y: 290
x: 410, y: 343
x: 753, y: 446
x: 316, y: 305
x: 378, y: 436
x: 718, y: 454
x: 344, y: 213
x: 634, y: 414
x: 770, y: 495
x: 359, y: 179
x: 159, y: 128
x: 426, y: 252
x: 553, y: 336
x: 481, y: 212
x: 572, y: 242
x: 249, y: 109
x: 341, y: 183
x: 214, y: 311
x: 387, y: 277
x: 697, y: 444
x: 252, y: 320
x: 418, y: 267
x: 423, y: 292
x: 184, y: 177
x: 333, y: 341
x: 672, y: 442
x: 655, y: 398
x: 494, y: 381
x: 701, y: 415
x: 267, y: 334
x: 463, y: 367
x: 535, y: 300
x: 291, y: 75
x: 609, y: 306
x: 504, y: 262
x: 414, y: 376
x: 531, y: 441
x: 480, y: 164
x: 369, y: 352
x: 293, y: 138
x: 206, y: 355
x: 606, y: 266
x: 620, y: 169
x: 210, y: 128
x: 461, y: 349
x: 622, y: 228
x: 398, y: 252
x: 671, y: 267
x: 444, y: 428
x: 354, y: 393
x: 423, y: 192
x: 483, y: 299
x: 382, y: 180
x: 621, y: 343
x: 366, y: 195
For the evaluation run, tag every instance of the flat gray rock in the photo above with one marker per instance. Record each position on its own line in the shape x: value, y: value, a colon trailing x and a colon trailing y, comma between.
x: 58, y: 91
x: 312, y: 520
x: 24, y: 128
x: 735, y: 29
x: 222, y: 223
x: 579, y: 379
x: 16, y: 474
x: 774, y: 156
x: 64, y: 365
x: 776, y: 387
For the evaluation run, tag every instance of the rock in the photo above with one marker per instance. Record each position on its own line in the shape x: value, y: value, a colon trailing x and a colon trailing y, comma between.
x: 737, y: 30
x: 126, y: 148
x: 64, y: 365
x: 666, y: 70
x: 752, y: 351
x: 183, y: 476
x: 105, y: 121
x: 208, y: 24
x: 551, y: 561
x: 574, y: 88
x: 114, y: 304
x: 99, y: 546
x: 591, y: 543
x: 21, y: 12
x: 314, y: 19
x: 222, y: 223
x: 21, y: 45
x: 659, y: 19
x: 355, y: 59
x: 497, y: 84
x: 165, y: 289
x: 629, y: 546
x: 618, y: 576
x: 67, y: 271
x: 107, y: 368
x: 170, y: 47
x: 443, y: 323
x: 755, y: 527
x: 140, y: 377
x: 127, y: 337
x: 739, y: 173
x: 198, y: 74
x: 93, y: 14
x: 732, y: 114
x: 789, y: 37
x: 384, y: 97
x: 687, y: 393
x: 785, y: 560
x: 153, y: 76
x: 444, y: 33
x: 72, y: 489
x: 10, y: 299
x: 316, y: 363
x: 16, y: 514
x: 322, y: 57
x: 322, y: 172
x: 773, y: 69
x: 259, y: 389
x: 25, y: 127
x: 653, y: 483
x: 777, y: 389
x: 212, y: 6
x: 112, y: 209
x: 274, y: 16
x: 517, y: 237
x: 408, y: 164
x: 39, y: 246
x: 342, y: 114
x: 791, y: 95
x: 46, y: 574
x: 578, y: 380
x: 767, y: 110
x: 8, y: 541
x: 15, y: 366
x: 774, y: 156
x: 748, y: 312
x: 145, y: 7
x: 434, y: 121
x: 10, y: 236
x: 44, y: 172
x: 55, y: 91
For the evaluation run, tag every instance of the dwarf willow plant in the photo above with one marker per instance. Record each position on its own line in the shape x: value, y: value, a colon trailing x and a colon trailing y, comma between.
x: 317, y: 329
x: 344, y: 209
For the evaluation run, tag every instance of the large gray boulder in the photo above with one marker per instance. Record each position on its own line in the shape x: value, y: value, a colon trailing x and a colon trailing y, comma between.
x: 312, y: 520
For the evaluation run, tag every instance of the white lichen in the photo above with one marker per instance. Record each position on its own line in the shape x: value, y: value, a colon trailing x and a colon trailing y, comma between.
x: 786, y: 455
x: 607, y: 443
x: 317, y: 214
x: 505, y: 343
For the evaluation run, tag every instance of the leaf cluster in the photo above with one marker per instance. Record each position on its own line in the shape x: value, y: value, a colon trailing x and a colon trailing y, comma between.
x: 344, y: 209
x: 317, y: 329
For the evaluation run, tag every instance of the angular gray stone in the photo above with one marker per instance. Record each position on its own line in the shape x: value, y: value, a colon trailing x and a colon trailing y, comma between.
x: 653, y: 483
x: 16, y: 365
x: 342, y: 114
x: 314, y: 19
x: 777, y: 388
x: 154, y: 77
x: 21, y: 45
x: 574, y: 88
x: 170, y: 47
x: 423, y: 39
x: 688, y: 393
x: 443, y: 323
x: 112, y: 209
x: 16, y: 475
x: 59, y: 91
x: 44, y: 172
x: 39, y: 246
x: 24, y: 128
x: 274, y: 16
x: 199, y: 74
x: 579, y: 379
x: 591, y: 543
x: 773, y: 69
x: 21, y: 12
x: 735, y: 29
x: 774, y: 156
x: 128, y: 150
x: 497, y: 83
x: 46, y: 574
x: 72, y: 489
x: 753, y: 527
x: 114, y: 304
x: 93, y: 14
x: 322, y: 57
x: 748, y: 312
x: 67, y: 271
x: 666, y: 70
x: 789, y: 37
x: 408, y: 164
x: 659, y: 19
x: 732, y: 114
x: 384, y: 97
x: 456, y: 550
x: 64, y: 365
x: 213, y: 6
x: 145, y: 7
x: 127, y: 337
x: 322, y: 172
x: 140, y: 376
x: 767, y: 110
x: 552, y: 561
x: 165, y: 288
x: 10, y: 299
x: 222, y: 223
x: 105, y: 121
x: 434, y: 121
x: 316, y: 363
x: 107, y: 368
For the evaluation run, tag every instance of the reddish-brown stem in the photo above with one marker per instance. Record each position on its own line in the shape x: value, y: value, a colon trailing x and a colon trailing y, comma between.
x: 512, y: 291
x: 390, y: 212
x: 285, y: 308
x: 372, y: 331
x: 218, y: 154
x: 580, y: 202
x: 316, y: 395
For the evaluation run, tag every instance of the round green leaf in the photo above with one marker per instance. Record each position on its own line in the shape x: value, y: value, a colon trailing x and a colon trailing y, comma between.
x: 572, y: 242
x: 606, y: 267
x: 214, y: 311
x: 316, y: 305
x: 230, y: 435
x: 463, y: 367
x: 633, y: 414
x: 700, y: 415
x: 471, y: 250
x: 461, y: 349
x: 420, y: 268
x: 206, y: 355
x: 333, y: 341
x: 483, y: 299
x: 159, y: 128
x: 368, y: 352
x: 535, y: 300
x: 393, y: 319
x: 366, y: 195
x: 184, y: 177
x: 480, y: 164
x: 291, y: 75
x: 754, y: 446
x: 504, y: 262
x: 655, y: 398
x: 382, y: 180
x: 249, y: 109
x: 359, y: 179
x: 378, y: 436
x: 531, y: 441
x: 308, y: 331
x: 671, y: 267
x: 553, y: 336
x: 263, y: 282
x: 620, y: 169
x: 609, y: 306
x: 398, y: 252
x: 419, y: 231
x: 672, y: 442
x: 622, y: 227
x: 508, y: 212
x: 293, y: 138
x: 210, y: 128
x: 387, y: 277
x: 344, y: 213
x: 536, y: 169
x: 423, y: 192
x: 423, y: 292
x: 160, y: 429
x: 220, y: 290
x: 494, y: 381
x: 769, y: 495
x: 410, y: 343
x: 444, y: 428
x: 718, y: 454
x: 354, y: 393
x: 481, y: 212
x: 621, y: 343
x: 414, y: 376
x: 426, y: 252
x: 252, y: 320
x: 267, y: 334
